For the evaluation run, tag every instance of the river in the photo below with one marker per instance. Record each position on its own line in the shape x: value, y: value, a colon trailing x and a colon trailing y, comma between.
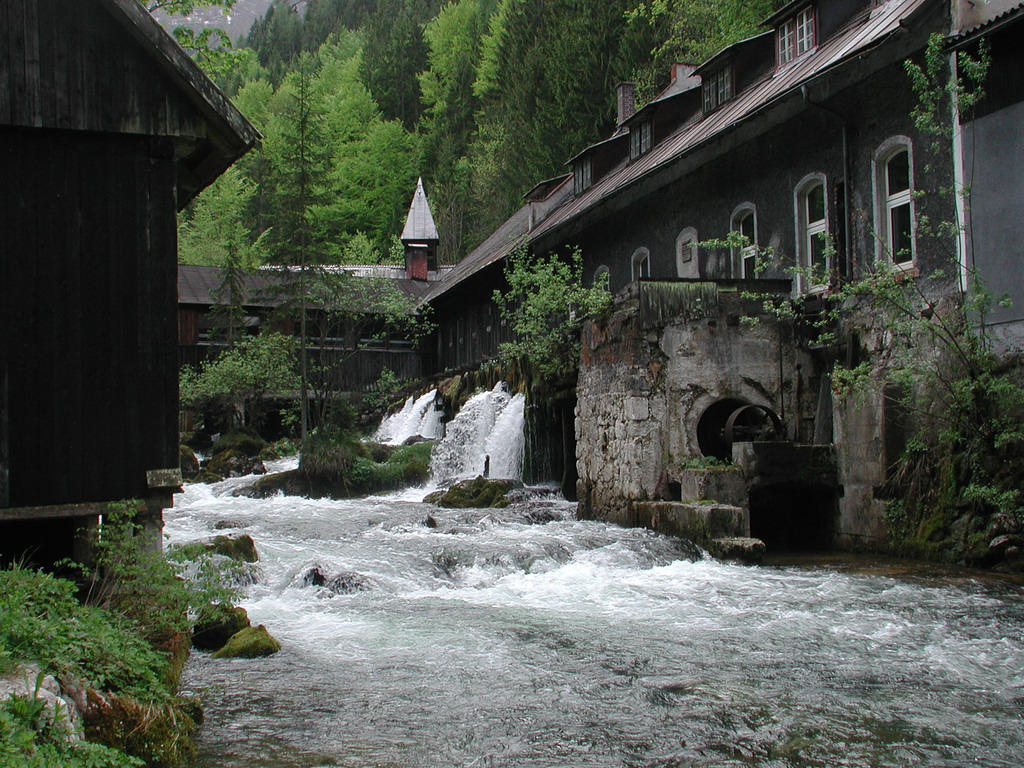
x: 524, y: 637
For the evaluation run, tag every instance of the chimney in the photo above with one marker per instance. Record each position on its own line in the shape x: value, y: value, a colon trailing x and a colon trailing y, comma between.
x: 626, y: 101
x: 682, y: 75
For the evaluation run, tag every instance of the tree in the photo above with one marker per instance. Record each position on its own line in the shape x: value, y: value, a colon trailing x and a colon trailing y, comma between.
x: 545, y: 305
x: 664, y: 32
x: 240, y: 378
x: 348, y: 312
x: 394, y: 54
x: 298, y: 161
x: 545, y: 83
x: 211, y: 47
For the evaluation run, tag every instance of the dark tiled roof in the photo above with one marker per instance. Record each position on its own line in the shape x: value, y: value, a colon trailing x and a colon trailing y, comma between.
x: 198, y: 285
x: 864, y: 32
x: 503, y: 240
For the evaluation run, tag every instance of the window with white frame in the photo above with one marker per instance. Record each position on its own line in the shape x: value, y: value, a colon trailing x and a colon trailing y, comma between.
x: 796, y: 36
x: 582, y: 174
x: 640, y: 263
x: 812, y: 231
x: 639, y: 139
x: 717, y: 88
x: 894, y: 225
x: 687, y: 264
x: 744, y: 223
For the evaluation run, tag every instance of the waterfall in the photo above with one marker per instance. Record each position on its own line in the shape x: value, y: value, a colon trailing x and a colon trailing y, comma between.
x: 418, y: 416
x: 490, y: 424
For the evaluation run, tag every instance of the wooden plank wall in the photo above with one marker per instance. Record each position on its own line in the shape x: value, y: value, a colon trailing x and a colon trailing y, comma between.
x: 87, y: 301
x: 469, y: 334
x: 84, y: 75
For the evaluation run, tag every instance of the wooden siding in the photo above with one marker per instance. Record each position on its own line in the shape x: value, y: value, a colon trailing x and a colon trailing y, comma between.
x: 87, y: 302
x: 86, y: 75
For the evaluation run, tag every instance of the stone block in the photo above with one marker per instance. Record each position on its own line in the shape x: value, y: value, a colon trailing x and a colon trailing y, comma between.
x: 638, y: 408
x: 699, y: 523
x: 723, y: 484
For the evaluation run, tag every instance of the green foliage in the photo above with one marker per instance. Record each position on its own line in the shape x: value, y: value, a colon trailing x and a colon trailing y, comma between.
x: 545, y: 305
x: 130, y: 576
x: 688, y: 31
x: 383, y: 390
x: 338, y: 456
x: 257, y: 367
x: 28, y: 740
x: 42, y: 621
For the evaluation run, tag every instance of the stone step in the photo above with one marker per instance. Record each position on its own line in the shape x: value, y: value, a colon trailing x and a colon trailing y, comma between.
x: 724, y: 484
x: 697, y: 521
x: 742, y: 548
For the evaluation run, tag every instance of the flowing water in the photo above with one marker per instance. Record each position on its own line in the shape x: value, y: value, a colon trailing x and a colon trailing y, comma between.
x: 419, y: 417
x: 525, y: 638
x: 486, y: 434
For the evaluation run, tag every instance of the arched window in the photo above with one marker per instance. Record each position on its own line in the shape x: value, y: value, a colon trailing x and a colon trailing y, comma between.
x: 894, y: 201
x: 744, y: 222
x: 640, y: 263
x: 602, y: 277
x: 687, y: 264
x: 812, y: 231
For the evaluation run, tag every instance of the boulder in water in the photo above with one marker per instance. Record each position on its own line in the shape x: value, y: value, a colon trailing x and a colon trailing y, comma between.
x: 249, y: 643
x: 240, y: 547
x: 216, y: 624
x: 744, y: 549
x: 344, y: 583
x: 221, y: 525
x: 231, y: 463
x: 479, y: 493
x: 188, y: 462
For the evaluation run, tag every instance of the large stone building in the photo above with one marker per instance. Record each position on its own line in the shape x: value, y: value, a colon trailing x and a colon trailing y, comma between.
x: 800, y: 140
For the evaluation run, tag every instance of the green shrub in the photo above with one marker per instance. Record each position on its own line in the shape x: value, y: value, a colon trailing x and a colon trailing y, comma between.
x: 41, y: 620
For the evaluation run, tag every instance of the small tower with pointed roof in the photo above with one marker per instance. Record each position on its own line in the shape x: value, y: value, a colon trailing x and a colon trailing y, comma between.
x: 420, y: 237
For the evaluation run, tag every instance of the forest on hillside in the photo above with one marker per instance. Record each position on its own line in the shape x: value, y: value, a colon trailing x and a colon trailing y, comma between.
x: 482, y: 98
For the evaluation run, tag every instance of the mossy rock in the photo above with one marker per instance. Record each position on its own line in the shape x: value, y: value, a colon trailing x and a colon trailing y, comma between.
x: 233, y: 463
x: 159, y: 734
x: 249, y: 643
x: 216, y: 624
x: 478, y: 493
x: 188, y: 462
x: 242, y: 442
x: 176, y: 647
x: 241, y: 547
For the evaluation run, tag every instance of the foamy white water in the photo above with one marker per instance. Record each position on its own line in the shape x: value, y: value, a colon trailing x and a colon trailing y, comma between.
x: 487, y: 433
x: 523, y: 637
x: 419, y: 416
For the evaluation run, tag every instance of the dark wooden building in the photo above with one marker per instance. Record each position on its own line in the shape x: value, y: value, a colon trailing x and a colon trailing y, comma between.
x: 107, y: 129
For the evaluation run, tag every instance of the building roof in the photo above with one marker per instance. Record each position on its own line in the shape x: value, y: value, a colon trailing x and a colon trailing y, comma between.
x: 419, y: 224
x: 865, y: 31
x: 502, y: 241
x: 198, y: 285
x: 967, y: 36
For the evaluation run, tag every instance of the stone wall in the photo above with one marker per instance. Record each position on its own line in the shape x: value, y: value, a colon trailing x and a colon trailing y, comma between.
x: 643, y: 388
x: 645, y: 385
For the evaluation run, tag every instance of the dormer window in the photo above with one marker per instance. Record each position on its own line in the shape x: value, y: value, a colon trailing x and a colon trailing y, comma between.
x: 639, y: 139
x: 582, y: 174
x: 717, y: 87
x: 796, y: 35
